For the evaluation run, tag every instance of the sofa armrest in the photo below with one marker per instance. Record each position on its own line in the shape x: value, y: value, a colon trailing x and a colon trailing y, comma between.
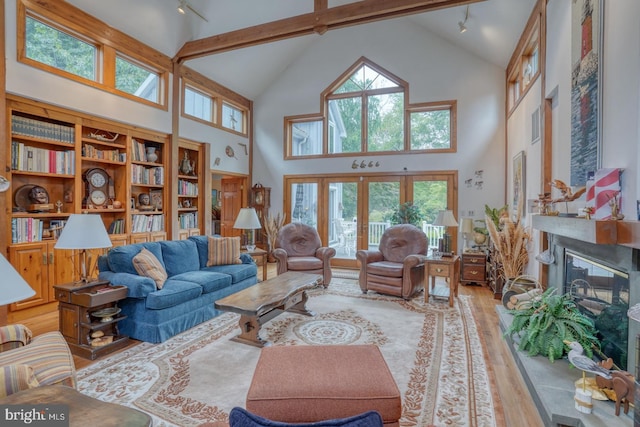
x: 325, y: 253
x: 138, y: 286
x: 281, y: 259
x: 246, y: 259
x: 365, y: 257
x: 14, y: 336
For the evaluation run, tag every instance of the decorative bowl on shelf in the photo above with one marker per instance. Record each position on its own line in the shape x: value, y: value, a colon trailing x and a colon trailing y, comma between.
x: 106, y: 314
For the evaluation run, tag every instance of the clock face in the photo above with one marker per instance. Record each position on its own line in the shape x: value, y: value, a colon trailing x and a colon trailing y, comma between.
x: 97, y: 180
x: 98, y: 198
x: 259, y: 198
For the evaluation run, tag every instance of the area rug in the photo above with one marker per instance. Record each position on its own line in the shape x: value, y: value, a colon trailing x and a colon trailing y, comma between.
x: 433, y: 351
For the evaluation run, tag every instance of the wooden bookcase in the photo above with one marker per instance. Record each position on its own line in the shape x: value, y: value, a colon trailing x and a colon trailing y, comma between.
x: 191, y: 166
x: 56, y: 149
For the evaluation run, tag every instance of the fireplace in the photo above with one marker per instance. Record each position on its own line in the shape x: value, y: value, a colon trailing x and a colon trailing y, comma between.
x: 602, y: 294
x: 598, y: 263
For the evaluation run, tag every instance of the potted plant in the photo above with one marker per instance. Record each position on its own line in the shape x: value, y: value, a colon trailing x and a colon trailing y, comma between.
x: 407, y: 213
x: 510, y: 239
x: 547, y: 321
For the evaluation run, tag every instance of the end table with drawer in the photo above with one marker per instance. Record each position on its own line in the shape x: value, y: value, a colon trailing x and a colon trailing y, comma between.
x: 473, y: 268
x: 447, y: 267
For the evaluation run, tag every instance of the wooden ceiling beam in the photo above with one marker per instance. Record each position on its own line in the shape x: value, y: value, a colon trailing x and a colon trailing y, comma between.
x: 319, y: 21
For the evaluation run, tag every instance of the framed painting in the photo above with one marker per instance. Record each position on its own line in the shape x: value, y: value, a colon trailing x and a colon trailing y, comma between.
x: 586, y: 88
x: 519, y: 184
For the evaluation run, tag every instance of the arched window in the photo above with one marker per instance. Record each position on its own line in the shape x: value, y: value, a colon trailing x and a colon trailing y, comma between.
x: 366, y: 110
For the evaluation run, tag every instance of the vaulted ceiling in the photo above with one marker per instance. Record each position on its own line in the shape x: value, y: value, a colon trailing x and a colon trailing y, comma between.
x: 494, y: 27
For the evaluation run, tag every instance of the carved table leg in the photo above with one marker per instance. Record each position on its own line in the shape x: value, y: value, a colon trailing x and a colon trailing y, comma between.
x: 249, y: 331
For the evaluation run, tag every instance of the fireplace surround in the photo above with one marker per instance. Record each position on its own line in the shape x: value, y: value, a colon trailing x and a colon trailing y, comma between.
x: 611, y: 244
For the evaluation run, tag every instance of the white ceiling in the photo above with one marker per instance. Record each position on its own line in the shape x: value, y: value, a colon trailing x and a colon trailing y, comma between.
x: 494, y: 27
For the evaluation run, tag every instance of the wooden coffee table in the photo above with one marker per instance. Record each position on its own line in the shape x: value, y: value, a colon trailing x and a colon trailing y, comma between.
x: 264, y: 301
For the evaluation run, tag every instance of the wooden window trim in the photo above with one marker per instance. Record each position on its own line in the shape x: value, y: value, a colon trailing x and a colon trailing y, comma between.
x: 452, y: 106
x: 186, y: 84
x: 107, y: 40
x: 245, y: 117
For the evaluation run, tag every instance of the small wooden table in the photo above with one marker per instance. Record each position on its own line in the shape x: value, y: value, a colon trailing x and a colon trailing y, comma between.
x: 448, y: 267
x: 83, y: 410
x: 264, y: 301
x: 259, y: 254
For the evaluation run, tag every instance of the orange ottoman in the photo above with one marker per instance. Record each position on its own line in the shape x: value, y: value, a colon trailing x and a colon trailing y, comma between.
x: 302, y: 384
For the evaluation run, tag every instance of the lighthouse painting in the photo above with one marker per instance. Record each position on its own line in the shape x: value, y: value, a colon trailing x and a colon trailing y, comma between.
x: 586, y: 100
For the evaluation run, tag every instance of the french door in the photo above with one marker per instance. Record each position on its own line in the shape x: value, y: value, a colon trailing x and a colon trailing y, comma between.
x: 351, y: 212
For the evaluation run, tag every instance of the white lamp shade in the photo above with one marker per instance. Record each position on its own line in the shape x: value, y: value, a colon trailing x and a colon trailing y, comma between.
x: 247, y: 219
x: 467, y: 226
x: 84, y: 231
x: 13, y: 287
x: 446, y: 219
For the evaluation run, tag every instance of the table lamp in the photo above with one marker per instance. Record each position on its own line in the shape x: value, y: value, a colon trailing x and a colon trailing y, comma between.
x: 467, y: 231
x: 445, y: 219
x: 84, y: 231
x: 248, y: 220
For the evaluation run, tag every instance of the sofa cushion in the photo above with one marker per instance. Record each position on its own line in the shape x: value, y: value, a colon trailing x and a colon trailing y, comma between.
x: 210, y: 281
x: 146, y: 264
x: 298, y: 239
x: 15, y: 378
x: 239, y: 417
x: 238, y: 272
x: 399, y: 241
x: 121, y: 257
x: 202, y: 243
x: 173, y: 292
x: 304, y: 263
x: 14, y: 336
x: 179, y: 256
x: 385, y: 268
x: 223, y: 251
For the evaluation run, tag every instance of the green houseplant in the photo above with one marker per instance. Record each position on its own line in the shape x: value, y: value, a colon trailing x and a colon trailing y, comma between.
x: 407, y: 213
x: 547, y: 322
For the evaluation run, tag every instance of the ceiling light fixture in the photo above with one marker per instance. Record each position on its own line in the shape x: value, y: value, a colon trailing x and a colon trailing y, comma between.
x: 181, y: 7
x: 462, y: 24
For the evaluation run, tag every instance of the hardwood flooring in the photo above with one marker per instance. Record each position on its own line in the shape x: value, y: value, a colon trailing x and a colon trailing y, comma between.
x: 512, y: 393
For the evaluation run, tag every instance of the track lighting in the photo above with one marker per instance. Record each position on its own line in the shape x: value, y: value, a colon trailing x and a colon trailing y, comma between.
x: 462, y: 24
x: 181, y: 7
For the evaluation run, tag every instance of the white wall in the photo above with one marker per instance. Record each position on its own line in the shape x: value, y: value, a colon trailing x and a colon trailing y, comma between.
x: 435, y: 70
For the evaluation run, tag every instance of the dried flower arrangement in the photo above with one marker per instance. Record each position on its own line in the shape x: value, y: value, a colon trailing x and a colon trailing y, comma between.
x: 272, y: 226
x: 511, y: 240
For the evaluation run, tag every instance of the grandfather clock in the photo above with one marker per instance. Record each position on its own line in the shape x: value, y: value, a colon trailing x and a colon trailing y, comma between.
x: 260, y: 199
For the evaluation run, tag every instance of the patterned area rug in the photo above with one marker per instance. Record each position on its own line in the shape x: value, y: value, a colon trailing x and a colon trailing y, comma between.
x: 433, y: 351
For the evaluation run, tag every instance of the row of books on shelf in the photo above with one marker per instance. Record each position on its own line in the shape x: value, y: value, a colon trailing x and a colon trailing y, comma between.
x: 34, y: 159
x: 139, y: 151
x: 25, y: 230
x: 92, y: 152
x: 187, y: 188
x: 188, y: 220
x: 146, y: 175
x: 144, y: 223
x: 40, y: 129
x: 117, y: 227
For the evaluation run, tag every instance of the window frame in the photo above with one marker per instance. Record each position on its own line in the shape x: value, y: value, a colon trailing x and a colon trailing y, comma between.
x: 196, y: 88
x: 402, y: 87
x: 108, y: 48
x: 530, y: 42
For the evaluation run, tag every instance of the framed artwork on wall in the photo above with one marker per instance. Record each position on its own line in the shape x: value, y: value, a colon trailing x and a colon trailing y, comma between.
x: 519, y: 184
x: 586, y: 88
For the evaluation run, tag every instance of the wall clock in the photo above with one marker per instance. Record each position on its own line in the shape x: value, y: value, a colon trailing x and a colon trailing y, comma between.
x: 96, y: 187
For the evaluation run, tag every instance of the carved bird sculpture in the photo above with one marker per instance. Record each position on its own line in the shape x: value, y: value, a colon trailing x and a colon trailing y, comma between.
x: 567, y: 194
x: 584, y: 363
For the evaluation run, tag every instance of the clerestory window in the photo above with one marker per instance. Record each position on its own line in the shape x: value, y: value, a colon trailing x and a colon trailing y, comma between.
x: 366, y: 111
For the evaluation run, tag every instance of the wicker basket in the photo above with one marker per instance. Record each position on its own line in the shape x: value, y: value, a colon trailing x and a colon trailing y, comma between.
x: 519, y: 285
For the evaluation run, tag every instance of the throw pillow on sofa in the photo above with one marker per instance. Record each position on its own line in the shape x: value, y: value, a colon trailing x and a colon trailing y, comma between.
x: 224, y: 251
x: 15, y: 378
x: 147, y: 264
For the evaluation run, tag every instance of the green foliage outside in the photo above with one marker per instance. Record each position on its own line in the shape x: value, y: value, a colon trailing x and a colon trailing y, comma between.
x: 407, y: 213
x: 547, y: 322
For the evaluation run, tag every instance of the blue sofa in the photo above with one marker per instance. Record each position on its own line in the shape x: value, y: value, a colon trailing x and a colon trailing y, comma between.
x: 187, y: 297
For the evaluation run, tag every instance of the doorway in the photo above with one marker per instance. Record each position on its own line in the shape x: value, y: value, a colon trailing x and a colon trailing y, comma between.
x: 352, y: 212
x: 228, y: 196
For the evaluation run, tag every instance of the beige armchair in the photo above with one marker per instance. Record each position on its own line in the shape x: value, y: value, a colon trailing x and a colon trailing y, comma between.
x: 397, y: 267
x: 298, y: 248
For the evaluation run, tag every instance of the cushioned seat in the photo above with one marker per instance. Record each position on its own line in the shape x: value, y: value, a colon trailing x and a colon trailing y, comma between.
x: 302, y: 384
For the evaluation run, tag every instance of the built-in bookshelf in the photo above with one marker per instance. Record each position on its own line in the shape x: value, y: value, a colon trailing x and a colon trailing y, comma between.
x: 190, y: 188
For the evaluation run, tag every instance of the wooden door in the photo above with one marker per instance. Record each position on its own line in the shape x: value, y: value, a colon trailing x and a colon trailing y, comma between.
x: 232, y: 199
x: 31, y: 261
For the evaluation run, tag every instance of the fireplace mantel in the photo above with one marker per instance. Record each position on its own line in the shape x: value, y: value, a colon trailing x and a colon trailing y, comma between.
x: 625, y: 233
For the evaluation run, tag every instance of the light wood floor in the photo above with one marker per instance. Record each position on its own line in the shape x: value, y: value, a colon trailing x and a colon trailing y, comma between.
x: 513, y: 396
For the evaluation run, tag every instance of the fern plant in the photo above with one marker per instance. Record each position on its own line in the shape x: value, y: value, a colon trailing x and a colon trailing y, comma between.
x: 547, y: 322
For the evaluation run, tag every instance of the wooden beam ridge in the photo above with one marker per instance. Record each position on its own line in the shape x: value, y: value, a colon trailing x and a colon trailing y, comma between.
x: 319, y: 21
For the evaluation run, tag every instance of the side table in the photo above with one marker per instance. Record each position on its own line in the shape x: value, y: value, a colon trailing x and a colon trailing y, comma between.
x: 448, y: 267
x: 261, y: 255
x: 83, y: 410
x: 473, y: 268
x: 79, y: 313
